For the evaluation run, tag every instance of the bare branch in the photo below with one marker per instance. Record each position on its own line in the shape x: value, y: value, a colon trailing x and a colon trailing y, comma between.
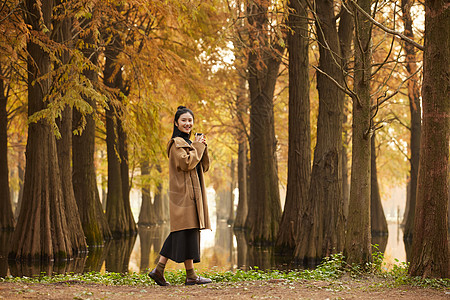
x: 388, y: 30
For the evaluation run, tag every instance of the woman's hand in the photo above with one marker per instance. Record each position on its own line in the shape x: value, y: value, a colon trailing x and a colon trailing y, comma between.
x: 200, y: 138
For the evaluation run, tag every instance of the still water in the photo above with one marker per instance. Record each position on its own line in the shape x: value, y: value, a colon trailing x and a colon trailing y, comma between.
x: 222, y: 250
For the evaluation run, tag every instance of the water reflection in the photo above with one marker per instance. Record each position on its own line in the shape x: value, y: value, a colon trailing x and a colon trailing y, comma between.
x: 222, y: 249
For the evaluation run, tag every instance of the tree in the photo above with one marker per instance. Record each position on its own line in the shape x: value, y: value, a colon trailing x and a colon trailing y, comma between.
x: 430, y: 251
x: 264, y: 208
x: 299, y: 157
x: 242, y: 164
x: 118, y: 211
x: 6, y: 213
x: 42, y: 216
x: 415, y: 127
x: 62, y: 34
x: 358, y: 248
x: 93, y: 219
x: 322, y: 228
x: 147, y: 215
x: 378, y: 222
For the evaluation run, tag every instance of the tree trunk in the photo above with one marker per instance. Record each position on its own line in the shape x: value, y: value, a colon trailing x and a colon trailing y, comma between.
x: 42, y: 232
x: 231, y: 193
x: 93, y: 218
x: 430, y: 251
x: 147, y: 214
x: 345, y: 33
x: 264, y: 208
x: 322, y: 229
x: 299, y: 156
x: 117, y: 211
x: 124, y: 173
x: 21, y: 176
x: 160, y: 205
x: 62, y: 32
x: 378, y: 222
x: 415, y: 111
x: 242, y: 209
x: 6, y: 213
x: 358, y: 249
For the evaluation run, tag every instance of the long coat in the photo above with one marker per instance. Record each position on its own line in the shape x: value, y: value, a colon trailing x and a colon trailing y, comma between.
x: 187, y: 192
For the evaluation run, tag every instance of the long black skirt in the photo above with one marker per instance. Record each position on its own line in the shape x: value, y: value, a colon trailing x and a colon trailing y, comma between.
x: 182, y: 245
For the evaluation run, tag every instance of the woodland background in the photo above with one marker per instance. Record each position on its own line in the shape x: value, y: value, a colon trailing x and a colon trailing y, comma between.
x: 334, y: 101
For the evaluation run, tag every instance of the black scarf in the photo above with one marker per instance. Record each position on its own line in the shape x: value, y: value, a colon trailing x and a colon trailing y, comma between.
x: 185, y: 136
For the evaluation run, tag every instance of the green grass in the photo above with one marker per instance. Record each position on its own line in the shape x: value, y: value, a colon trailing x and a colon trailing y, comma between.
x: 331, y: 269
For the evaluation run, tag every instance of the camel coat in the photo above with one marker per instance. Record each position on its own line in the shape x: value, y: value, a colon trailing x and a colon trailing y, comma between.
x: 187, y: 191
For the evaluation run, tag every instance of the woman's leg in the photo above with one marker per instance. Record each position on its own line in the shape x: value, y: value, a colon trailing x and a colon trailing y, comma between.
x: 157, y: 273
x: 189, y: 264
x: 163, y: 259
x: 191, y: 277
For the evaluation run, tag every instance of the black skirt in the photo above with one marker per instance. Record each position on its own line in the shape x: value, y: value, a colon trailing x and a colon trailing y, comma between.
x: 182, y: 245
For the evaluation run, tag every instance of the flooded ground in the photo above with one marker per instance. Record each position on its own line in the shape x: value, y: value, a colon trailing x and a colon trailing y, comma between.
x: 221, y: 248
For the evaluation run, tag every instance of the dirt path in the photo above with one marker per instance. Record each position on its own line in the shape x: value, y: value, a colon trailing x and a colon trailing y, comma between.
x: 271, y: 289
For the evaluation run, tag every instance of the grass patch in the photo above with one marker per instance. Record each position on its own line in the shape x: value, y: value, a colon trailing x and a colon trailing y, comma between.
x: 331, y: 269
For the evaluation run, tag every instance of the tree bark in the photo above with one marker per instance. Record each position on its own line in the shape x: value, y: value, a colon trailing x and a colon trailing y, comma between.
x: 345, y: 33
x: 62, y: 34
x: 118, y: 212
x: 299, y: 153
x: 264, y: 207
x: 416, y: 118
x: 242, y: 209
x: 430, y: 251
x: 322, y: 228
x: 147, y: 214
x: 42, y: 232
x: 125, y: 177
x: 358, y: 248
x: 160, y: 205
x: 93, y: 218
x: 378, y: 222
x: 6, y: 213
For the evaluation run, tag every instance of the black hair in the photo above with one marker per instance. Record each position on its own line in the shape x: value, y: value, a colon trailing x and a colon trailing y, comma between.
x: 180, y: 110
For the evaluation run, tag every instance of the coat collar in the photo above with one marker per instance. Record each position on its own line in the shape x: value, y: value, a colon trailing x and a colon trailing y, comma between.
x: 178, y: 142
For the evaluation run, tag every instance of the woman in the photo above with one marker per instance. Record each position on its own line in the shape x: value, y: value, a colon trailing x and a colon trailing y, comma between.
x: 187, y: 199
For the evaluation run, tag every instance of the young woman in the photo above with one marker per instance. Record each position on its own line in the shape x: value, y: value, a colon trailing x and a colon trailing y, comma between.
x: 187, y: 199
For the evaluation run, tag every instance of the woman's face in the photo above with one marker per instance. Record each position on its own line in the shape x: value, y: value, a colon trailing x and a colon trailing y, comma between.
x: 185, y: 123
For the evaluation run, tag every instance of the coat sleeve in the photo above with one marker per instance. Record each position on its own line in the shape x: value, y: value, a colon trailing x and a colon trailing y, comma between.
x: 205, y: 160
x: 187, y: 159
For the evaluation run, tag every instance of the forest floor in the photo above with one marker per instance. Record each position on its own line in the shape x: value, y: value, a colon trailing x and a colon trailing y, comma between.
x: 369, y: 287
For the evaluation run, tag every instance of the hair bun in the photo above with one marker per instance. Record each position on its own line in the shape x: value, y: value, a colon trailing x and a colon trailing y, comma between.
x: 181, y: 107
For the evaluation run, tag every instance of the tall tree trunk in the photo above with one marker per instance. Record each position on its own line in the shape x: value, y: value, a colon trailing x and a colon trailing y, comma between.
x: 378, y: 222
x: 322, y: 229
x: 416, y: 118
x: 6, y: 213
x: 62, y: 32
x: 358, y: 248
x: 93, y: 218
x: 430, y: 251
x: 21, y: 176
x: 231, y: 192
x: 299, y: 156
x: 345, y: 33
x: 125, y: 177
x: 118, y: 212
x: 147, y: 214
x: 42, y: 232
x: 242, y: 209
x: 264, y: 207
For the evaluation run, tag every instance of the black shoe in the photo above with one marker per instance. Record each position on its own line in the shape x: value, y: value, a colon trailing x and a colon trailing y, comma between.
x: 158, y: 277
x: 198, y: 280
